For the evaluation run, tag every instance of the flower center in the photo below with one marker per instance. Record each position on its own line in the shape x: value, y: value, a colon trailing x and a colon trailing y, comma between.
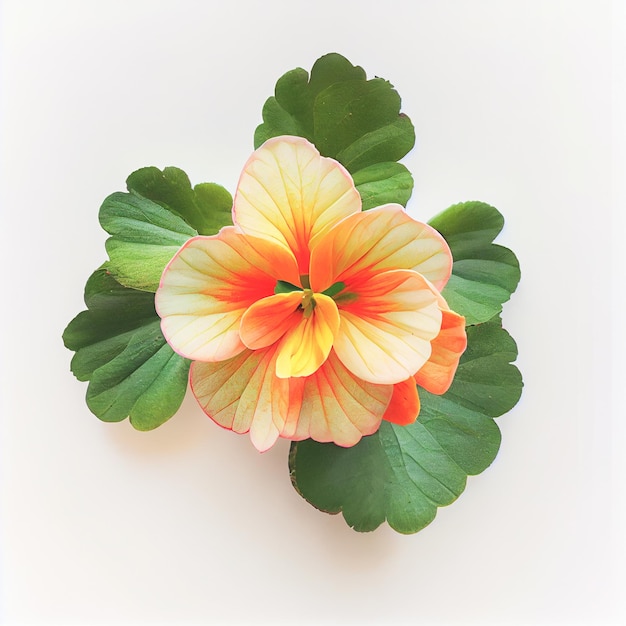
x: 307, y: 303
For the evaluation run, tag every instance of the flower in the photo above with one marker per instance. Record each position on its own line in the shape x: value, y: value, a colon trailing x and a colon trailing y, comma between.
x: 310, y: 317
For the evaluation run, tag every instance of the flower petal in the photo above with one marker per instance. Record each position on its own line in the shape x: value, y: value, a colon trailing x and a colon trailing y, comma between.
x: 305, y: 341
x: 337, y: 406
x: 387, y: 328
x: 288, y: 193
x: 405, y: 403
x: 243, y: 394
x: 268, y: 319
x: 380, y: 239
x: 209, y: 284
x: 306, y: 346
x: 437, y: 373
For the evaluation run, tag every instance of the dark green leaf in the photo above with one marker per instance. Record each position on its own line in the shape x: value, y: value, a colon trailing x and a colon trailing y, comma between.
x: 290, y: 111
x: 346, y: 112
x: 485, y: 380
x: 206, y: 208
x: 380, y: 147
x: 484, y: 275
x: 352, y: 119
x: 403, y: 473
x: 469, y: 437
x: 114, y: 314
x: 120, y: 349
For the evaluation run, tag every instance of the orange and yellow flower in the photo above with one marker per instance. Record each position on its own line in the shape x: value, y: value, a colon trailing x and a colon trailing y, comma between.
x: 310, y: 317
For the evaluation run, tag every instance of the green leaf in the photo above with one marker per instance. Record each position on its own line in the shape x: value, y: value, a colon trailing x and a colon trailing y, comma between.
x: 484, y: 275
x: 149, y: 224
x: 114, y: 314
x: 290, y: 111
x: 352, y: 119
x: 346, y: 112
x: 388, y: 143
x: 485, y: 380
x: 206, y: 207
x: 384, y: 183
x: 402, y: 474
x: 145, y: 236
x: 469, y: 437
x: 120, y: 349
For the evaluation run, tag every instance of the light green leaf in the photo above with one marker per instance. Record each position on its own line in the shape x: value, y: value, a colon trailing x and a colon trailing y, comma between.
x: 384, y: 183
x: 118, y: 342
x: 402, y: 474
x: 149, y: 224
x: 484, y: 275
x: 352, y: 119
x: 145, y: 236
x: 206, y: 207
x: 121, y: 351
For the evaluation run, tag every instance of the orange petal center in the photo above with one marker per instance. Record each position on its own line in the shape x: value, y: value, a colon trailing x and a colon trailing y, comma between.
x: 303, y: 323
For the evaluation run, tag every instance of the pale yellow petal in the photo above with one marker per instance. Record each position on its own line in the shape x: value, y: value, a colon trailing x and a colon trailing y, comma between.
x: 243, y: 394
x: 338, y: 407
x: 288, y: 194
x: 386, y: 330
x: 384, y: 238
x: 208, y: 286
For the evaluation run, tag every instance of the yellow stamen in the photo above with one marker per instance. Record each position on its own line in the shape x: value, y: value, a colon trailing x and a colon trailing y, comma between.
x: 307, y: 303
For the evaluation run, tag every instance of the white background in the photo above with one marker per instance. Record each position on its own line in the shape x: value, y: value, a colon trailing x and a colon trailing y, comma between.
x: 515, y: 103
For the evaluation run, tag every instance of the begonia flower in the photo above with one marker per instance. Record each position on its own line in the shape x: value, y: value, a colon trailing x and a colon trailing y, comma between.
x: 310, y: 317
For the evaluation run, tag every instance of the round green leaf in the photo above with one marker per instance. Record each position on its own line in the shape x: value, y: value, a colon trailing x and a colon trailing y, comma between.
x: 146, y: 382
x: 384, y: 183
x: 120, y: 349
x: 290, y: 111
x: 352, y: 119
x: 382, y: 145
x: 114, y: 314
x: 345, y: 112
x: 206, y: 207
x: 144, y: 237
x: 485, y: 380
x: 402, y: 474
x: 484, y: 275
